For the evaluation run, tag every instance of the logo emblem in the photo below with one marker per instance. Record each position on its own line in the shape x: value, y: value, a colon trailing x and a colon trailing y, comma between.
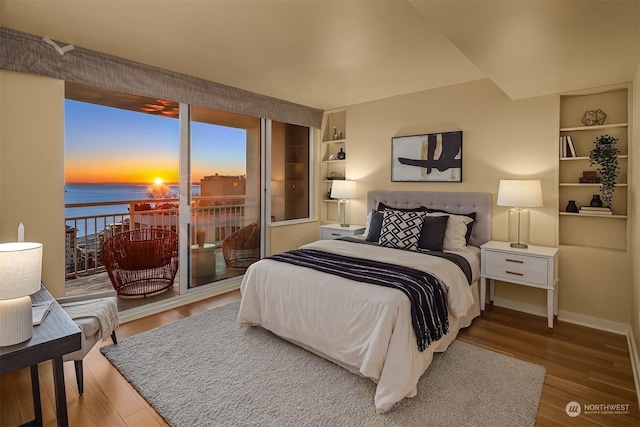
x: 573, y: 409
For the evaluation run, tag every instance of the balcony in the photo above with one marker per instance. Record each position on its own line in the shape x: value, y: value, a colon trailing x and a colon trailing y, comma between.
x: 214, y: 217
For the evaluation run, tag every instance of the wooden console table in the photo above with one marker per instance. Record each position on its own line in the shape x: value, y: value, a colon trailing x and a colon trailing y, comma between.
x: 55, y: 337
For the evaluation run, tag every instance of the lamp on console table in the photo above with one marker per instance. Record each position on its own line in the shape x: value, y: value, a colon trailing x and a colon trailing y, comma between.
x: 20, y: 274
x: 519, y: 194
x: 343, y: 190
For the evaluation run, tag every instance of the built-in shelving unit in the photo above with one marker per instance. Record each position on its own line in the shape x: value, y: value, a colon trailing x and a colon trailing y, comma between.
x: 578, y: 229
x: 334, y: 140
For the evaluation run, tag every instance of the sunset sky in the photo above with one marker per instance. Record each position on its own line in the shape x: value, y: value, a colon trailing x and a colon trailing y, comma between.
x: 104, y: 144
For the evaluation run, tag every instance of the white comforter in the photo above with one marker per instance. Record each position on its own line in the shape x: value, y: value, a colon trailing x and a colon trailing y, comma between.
x: 364, y: 327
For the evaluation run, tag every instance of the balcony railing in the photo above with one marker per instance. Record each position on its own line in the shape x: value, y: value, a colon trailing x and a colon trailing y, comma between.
x: 217, y: 216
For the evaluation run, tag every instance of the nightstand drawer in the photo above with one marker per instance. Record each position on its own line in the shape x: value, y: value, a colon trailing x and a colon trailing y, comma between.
x: 334, y: 234
x: 513, y: 267
x: 334, y: 231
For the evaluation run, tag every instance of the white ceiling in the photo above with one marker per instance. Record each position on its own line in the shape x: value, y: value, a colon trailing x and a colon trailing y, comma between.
x: 328, y: 54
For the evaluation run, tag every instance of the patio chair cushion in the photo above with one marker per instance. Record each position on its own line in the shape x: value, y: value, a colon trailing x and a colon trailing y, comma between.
x: 96, y: 315
x: 89, y: 328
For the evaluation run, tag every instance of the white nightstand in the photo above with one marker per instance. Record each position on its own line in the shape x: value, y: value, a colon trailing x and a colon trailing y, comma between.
x: 334, y: 231
x: 536, y: 266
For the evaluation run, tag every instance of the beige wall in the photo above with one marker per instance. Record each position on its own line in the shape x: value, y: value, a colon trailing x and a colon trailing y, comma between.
x: 32, y: 167
x: 286, y: 237
x: 634, y: 200
x: 502, y: 139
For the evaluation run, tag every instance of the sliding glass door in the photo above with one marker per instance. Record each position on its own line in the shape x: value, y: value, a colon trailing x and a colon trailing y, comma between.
x: 224, y: 180
x: 212, y: 176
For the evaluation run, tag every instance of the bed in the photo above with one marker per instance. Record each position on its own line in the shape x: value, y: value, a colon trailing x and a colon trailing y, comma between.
x: 365, y: 328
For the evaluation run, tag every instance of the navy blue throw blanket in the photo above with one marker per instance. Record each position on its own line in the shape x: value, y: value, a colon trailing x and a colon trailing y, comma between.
x: 429, y: 314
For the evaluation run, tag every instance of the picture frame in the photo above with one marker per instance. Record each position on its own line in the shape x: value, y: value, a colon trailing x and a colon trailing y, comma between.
x: 432, y: 157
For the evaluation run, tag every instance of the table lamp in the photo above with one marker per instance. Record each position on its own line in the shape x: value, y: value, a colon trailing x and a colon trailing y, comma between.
x: 20, y: 274
x: 343, y: 190
x: 519, y: 195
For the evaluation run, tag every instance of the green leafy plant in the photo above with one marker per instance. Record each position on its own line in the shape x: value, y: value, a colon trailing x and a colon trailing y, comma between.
x: 605, y: 155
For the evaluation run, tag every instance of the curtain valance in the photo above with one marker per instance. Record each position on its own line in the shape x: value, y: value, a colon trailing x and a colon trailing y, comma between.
x: 27, y: 53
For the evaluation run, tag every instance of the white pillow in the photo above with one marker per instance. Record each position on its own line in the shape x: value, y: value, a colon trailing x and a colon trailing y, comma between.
x: 366, y: 228
x: 455, y: 234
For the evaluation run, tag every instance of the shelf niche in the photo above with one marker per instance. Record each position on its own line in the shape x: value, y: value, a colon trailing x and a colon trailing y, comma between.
x: 331, y: 147
x: 598, y: 231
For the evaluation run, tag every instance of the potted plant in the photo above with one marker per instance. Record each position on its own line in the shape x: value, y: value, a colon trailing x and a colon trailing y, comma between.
x: 605, y: 155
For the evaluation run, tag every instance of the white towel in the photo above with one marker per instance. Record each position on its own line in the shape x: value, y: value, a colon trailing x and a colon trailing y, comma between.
x: 104, y: 309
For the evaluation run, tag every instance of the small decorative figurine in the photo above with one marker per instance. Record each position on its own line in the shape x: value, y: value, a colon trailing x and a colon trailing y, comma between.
x: 593, y: 117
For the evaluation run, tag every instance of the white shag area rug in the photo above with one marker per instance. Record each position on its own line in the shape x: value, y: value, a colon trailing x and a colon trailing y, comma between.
x: 206, y: 370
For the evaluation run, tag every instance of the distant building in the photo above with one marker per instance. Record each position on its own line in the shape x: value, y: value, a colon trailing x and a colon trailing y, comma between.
x: 69, y: 248
x: 221, y: 190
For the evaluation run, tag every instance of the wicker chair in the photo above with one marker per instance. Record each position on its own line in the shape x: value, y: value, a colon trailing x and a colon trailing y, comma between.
x: 241, y: 248
x: 142, y: 261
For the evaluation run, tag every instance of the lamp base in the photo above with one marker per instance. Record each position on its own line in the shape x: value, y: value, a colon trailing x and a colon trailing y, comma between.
x: 343, y: 213
x: 519, y: 228
x: 16, y: 323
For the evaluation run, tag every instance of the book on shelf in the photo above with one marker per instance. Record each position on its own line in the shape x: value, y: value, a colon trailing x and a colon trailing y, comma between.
x: 595, y: 208
x: 567, y: 147
x: 571, y: 147
x: 39, y: 311
x: 598, y: 212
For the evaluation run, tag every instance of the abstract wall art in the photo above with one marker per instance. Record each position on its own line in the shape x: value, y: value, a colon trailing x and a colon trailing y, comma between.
x: 434, y: 157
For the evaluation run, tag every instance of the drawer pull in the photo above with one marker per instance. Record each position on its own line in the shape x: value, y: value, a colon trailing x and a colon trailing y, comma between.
x: 514, y: 273
x: 335, y: 234
x: 514, y: 260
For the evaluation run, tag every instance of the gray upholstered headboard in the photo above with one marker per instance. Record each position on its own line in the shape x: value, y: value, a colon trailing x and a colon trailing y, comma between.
x: 453, y: 202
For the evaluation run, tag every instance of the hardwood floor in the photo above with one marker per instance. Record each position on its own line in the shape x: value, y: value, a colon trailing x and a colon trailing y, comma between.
x: 583, y: 365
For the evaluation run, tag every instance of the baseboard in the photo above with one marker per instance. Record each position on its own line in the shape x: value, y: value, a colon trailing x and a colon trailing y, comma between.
x: 565, y: 316
x: 635, y: 362
x: 168, y: 304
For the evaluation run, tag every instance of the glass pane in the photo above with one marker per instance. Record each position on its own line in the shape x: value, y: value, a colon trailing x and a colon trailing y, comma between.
x: 289, y: 171
x: 225, y: 208
x: 121, y: 173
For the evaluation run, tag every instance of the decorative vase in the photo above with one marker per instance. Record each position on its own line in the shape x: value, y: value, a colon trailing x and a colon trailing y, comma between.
x: 341, y: 155
x: 571, y: 207
x: 201, y: 237
x: 596, y: 202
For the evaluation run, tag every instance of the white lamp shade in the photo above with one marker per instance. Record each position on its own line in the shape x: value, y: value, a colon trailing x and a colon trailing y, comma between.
x: 520, y: 193
x: 341, y: 189
x: 20, y: 269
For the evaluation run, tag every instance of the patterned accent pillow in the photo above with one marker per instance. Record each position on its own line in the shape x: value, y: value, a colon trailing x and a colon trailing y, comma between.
x: 401, y: 229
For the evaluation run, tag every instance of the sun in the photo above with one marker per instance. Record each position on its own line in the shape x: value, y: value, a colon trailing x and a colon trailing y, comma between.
x: 158, y: 181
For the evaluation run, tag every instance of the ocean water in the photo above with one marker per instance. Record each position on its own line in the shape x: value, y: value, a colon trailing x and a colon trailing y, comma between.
x: 95, y: 193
